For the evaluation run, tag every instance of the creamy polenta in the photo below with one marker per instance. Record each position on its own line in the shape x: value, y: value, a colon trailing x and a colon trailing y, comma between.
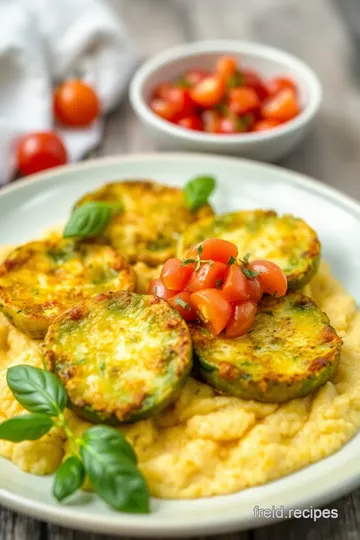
x: 207, y: 444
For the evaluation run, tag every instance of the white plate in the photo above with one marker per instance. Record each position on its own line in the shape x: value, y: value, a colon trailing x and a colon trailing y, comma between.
x: 27, y: 207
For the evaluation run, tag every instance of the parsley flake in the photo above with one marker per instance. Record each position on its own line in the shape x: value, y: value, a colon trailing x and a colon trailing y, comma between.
x: 182, y: 303
x: 250, y: 273
x: 231, y: 261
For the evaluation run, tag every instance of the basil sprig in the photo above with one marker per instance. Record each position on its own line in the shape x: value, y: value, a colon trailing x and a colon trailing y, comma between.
x: 198, y: 190
x: 102, y: 453
x: 88, y: 220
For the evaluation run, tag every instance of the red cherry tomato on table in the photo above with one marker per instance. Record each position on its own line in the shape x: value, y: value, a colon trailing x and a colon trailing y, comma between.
x: 39, y: 151
x: 191, y: 122
x: 208, y: 92
x: 213, y: 308
x: 279, y: 83
x: 214, y: 249
x: 164, y: 109
x: 243, y: 100
x: 271, y: 277
x: 283, y: 106
x: 174, y: 275
x: 208, y: 276
x: 226, y: 66
x: 182, y: 303
x: 211, y: 121
x: 235, y: 287
x: 76, y: 103
x: 255, y: 289
x: 158, y: 288
x: 252, y: 80
x: 194, y: 76
x: 242, y: 319
x: 264, y: 125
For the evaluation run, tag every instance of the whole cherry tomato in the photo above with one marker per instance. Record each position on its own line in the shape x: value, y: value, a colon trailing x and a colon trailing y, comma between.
x: 208, y: 92
x: 76, y: 103
x: 242, y: 319
x: 226, y: 66
x: 158, y: 288
x: 191, y: 122
x: 253, y: 80
x: 264, y: 125
x: 243, y: 100
x: 235, y: 287
x: 183, y: 305
x: 211, y: 121
x: 283, y: 106
x: 39, y: 151
x: 209, y: 275
x: 279, y: 83
x: 175, y: 275
x: 194, y: 76
x: 255, y: 289
x: 215, y: 249
x: 164, y: 109
x: 213, y: 308
x: 271, y: 277
x: 181, y: 100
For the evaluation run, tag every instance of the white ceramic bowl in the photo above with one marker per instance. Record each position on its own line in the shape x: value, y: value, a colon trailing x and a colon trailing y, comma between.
x: 268, y: 145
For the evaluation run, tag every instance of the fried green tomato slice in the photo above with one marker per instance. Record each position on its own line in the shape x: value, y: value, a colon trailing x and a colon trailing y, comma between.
x: 289, y: 352
x: 122, y: 356
x: 149, y: 221
x: 40, y: 280
x: 285, y: 240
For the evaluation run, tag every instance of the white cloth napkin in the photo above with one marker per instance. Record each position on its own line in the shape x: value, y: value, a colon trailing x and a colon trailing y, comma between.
x: 43, y: 42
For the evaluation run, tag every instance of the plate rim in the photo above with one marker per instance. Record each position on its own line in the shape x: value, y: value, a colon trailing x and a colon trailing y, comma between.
x: 116, y: 524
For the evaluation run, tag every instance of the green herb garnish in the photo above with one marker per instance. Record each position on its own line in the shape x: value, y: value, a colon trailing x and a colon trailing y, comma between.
x: 102, y: 453
x: 89, y: 220
x: 198, y: 190
x: 218, y: 283
x: 234, y: 80
x: 231, y: 261
x: 182, y: 303
x: 250, y: 274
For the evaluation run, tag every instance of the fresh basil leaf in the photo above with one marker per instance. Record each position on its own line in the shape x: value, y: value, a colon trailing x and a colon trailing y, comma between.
x: 37, y: 390
x: 28, y: 427
x: 69, y: 478
x: 88, y: 220
x: 112, y: 472
x: 250, y: 273
x: 198, y: 190
x: 105, y: 438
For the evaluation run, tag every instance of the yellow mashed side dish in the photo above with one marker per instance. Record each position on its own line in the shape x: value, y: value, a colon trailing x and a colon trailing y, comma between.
x: 207, y: 444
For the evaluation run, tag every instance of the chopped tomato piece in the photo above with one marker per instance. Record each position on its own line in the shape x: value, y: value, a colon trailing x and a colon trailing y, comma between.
x: 263, y: 125
x: 255, y: 289
x: 174, y: 275
x: 181, y: 101
x: 254, y: 81
x: 182, y: 303
x: 226, y: 66
x: 271, y: 277
x: 191, y: 122
x: 164, y: 109
x: 283, y: 106
x: 158, y: 288
x: 208, y: 92
x: 213, y: 308
x: 209, y: 276
x: 242, y: 319
x: 214, y: 249
x: 243, y: 100
x: 231, y: 124
x: 279, y: 83
x: 194, y: 76
x: 162, y: 91
x: 211, y: 121
x: 235, y: 287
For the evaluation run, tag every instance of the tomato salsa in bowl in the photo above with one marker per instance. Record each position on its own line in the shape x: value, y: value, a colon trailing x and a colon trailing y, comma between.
x: 229, y: 97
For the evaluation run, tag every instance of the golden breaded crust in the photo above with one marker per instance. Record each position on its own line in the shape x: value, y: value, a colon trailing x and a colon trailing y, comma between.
x: 152, y: 219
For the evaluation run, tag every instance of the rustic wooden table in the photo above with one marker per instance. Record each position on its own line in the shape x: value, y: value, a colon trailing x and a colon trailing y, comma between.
x: 318, y: 33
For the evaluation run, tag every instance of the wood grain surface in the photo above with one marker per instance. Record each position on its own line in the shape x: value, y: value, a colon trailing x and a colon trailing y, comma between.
x: 314, y: 30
